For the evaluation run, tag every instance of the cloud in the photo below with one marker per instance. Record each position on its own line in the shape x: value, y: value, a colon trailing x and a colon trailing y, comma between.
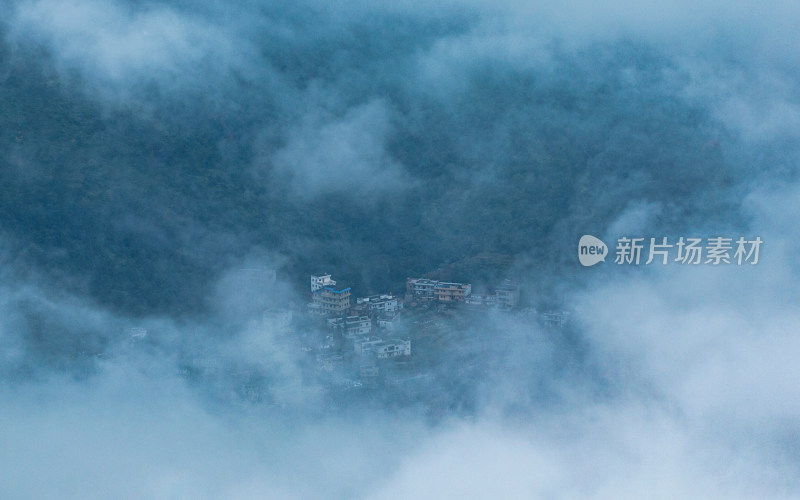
x: 671, y: 382
x: 325, y: 154
x: 118, y: 49
x: 615, y: 451
x: 698, y: 366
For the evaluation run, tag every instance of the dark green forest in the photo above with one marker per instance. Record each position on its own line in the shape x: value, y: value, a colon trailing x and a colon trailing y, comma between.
x: 142, y: 204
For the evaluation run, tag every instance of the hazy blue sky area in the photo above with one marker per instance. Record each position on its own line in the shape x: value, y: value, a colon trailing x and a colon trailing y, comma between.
x: 157, y: 159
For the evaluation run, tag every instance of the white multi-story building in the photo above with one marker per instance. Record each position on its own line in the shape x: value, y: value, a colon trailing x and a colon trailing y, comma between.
x: 556, y: 319
x: 357, y: 325
x: 424, y: 290
x: 383, y: 349
x: 388, y: 321
x: 327, y: 300
x: 366, y: 345
x: 352, y: 326
x: 507, y: 294
x: 393, y: 348
x: 319, y: 282
x: 384, y: 303
x: 481, y: 299
x: 421, y: 289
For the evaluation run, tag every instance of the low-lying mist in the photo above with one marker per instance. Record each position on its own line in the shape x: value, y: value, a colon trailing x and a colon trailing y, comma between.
x: 169, y: 172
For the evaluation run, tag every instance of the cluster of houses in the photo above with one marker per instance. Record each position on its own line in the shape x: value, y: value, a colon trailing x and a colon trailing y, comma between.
x: 353, y: 340
x: 422, y: 291
x: 367, y: 325
x: 367, y: 329
x: 329, y: 301
x: 335, y: 304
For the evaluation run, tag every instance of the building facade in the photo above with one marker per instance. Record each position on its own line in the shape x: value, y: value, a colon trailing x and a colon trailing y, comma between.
x: 366, y: 345
x: 452, y: 292
x: 328, y: 301
x: 392, y: 348
x: 421, y: 289
x: 382, y: 349
x: 351, y: 326
x: 357, y: 325
x: 481, y: 299
x: 319, y: 282
x: 380, y: 304
x: 507, y: 294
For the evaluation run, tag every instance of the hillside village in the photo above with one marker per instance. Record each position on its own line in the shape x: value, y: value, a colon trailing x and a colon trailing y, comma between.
x: 357, y: 341
x: 346, y: 344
